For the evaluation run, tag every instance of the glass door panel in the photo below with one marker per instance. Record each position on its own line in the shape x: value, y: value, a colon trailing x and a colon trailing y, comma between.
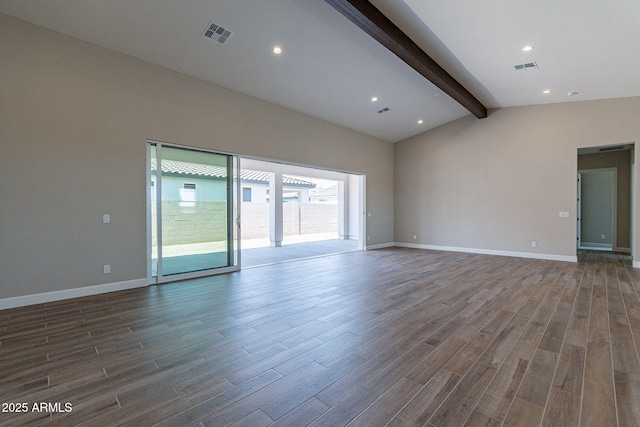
x: 193, y: 221
x: 153, y: 209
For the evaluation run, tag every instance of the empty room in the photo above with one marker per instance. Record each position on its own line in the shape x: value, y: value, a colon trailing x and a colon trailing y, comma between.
x: 440, y: 196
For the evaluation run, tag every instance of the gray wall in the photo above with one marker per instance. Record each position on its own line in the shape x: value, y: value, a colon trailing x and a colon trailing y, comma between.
x: 75, y: 119
x: 501, y: 182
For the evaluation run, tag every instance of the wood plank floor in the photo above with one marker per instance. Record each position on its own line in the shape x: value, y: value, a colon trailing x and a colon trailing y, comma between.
x: 387, y: 337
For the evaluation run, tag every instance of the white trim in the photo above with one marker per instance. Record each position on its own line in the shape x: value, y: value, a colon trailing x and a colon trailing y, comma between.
x: 550, y: 257
x: 196, y: 274
x: 362, y: 188
x: 380, y: 246
x: 45, y: 297
x: 149, y: 209
x: 632, y: 225
x: 236, y: 241
x: 636, y: 264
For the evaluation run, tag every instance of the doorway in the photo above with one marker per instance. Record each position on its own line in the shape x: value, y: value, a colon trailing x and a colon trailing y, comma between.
x: 604, y: 194
x: 194, y: 203
x: 293, y: 212
x: 597, y: 193
x: 193, y: 213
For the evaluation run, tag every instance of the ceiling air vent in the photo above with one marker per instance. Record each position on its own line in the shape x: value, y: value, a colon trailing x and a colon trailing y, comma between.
x: 384, y: 110
x: 527, y: 66
x: 217, y: 33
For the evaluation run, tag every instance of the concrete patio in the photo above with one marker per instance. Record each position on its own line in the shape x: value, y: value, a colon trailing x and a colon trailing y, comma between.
x: 253, y: 257
x: 255, y: 252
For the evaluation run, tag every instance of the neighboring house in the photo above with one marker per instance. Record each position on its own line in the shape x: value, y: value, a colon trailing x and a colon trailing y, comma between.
x: 188, y: 182
x: 324, y: 195
x: 200, y: 191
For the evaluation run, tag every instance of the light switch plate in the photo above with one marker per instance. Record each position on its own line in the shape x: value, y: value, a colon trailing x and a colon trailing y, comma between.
x: 564, y: 214
x: 106, y: 219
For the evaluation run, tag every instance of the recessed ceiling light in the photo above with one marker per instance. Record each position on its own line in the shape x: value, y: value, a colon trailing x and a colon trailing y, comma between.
x: 546, y: 91
x: 420, y: 121
x: 374, y: 99
x: 277, y: 50
x: 528, y: 48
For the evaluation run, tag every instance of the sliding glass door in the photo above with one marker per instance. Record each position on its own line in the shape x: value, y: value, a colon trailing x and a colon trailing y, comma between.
x: 193, y: 217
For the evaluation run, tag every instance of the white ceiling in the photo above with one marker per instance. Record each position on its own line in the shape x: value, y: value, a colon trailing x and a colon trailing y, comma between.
x: 330, y: 69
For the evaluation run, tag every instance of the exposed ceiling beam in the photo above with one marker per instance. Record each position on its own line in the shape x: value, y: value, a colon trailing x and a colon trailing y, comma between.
x: 377, y: 25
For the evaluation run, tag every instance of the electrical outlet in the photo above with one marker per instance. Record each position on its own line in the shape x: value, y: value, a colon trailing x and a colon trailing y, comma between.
x: 415, y: 237
x: 106, y: 219
x: 534, y: 244
x: 564, y: 214
x: 107, y: 269
x: 602, y: 236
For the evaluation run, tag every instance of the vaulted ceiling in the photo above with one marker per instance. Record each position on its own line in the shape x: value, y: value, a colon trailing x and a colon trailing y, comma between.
x: 331, y: 69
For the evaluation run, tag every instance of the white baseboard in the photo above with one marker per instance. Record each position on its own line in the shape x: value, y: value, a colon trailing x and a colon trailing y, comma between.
x: 550, y: 257
x: 45, y: 297
x: 380, y: 246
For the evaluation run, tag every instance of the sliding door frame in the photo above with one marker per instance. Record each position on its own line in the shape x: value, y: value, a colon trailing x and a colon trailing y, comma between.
x: 233, y: 212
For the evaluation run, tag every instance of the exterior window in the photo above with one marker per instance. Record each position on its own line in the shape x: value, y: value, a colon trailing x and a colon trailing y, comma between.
x: 188, y: 196
x: 246, y: 194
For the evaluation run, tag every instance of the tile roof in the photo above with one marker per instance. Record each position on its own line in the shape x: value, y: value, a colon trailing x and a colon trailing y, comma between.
x: 195, y: 170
